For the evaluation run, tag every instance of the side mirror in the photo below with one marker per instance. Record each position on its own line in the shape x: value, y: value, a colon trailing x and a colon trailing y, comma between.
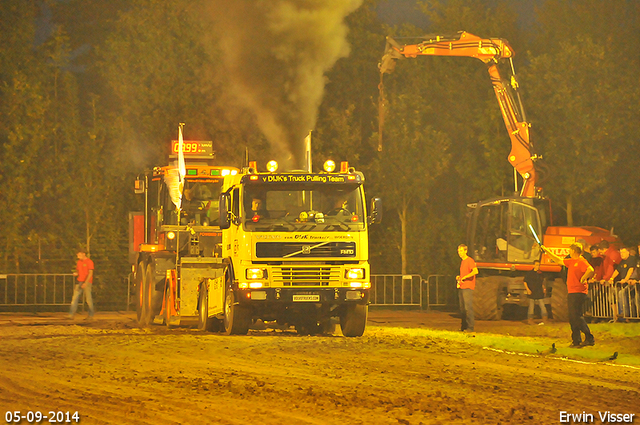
x: 138, y: 186
x: 376, y: 211
x: 224, y: 211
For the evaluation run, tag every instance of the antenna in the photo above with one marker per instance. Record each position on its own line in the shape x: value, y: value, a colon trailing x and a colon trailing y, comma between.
x: 307, y: 152
x: 245, y: 160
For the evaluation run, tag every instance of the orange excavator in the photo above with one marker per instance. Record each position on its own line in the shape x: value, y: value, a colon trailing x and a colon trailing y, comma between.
x: 503, y: 233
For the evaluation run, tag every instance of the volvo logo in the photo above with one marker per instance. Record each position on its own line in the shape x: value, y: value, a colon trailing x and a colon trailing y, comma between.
x: 306, y: 249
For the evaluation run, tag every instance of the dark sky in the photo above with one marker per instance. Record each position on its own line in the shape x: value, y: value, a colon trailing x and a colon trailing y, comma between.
x: 396, y: 12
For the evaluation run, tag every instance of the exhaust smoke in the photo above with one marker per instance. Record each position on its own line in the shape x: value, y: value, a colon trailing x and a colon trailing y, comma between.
x: 275, y: 53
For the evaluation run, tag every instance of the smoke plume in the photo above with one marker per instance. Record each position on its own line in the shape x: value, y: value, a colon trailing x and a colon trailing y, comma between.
x: 276, y: 53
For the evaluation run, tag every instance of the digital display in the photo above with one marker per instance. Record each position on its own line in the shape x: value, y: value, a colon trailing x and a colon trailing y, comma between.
x: 191, y: 147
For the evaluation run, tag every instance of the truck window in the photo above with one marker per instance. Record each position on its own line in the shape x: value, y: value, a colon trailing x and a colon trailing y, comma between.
x: 491, y: 233
x: 303, y: 207
x: 168, y: 208
x: 199, y: 202
x: 235, y: 203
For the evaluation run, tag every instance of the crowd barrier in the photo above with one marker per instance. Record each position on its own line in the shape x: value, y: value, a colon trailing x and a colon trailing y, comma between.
x: 41, y: 292
x: 613, y: 301
x: 397, y: 290
x: 36, y: 289
x: 27, y: 291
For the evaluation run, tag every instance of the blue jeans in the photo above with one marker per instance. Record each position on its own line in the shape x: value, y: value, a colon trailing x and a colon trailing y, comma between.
x: 626, y: 302
x: 77, y: 293
x: 465, y: 297
x: 532, y: 306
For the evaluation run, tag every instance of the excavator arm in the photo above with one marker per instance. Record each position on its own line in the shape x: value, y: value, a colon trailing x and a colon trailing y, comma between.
x: 490, y: 51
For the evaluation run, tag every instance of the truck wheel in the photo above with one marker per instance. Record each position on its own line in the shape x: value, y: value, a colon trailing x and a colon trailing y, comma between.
x: 206, y: 323
x: 237, y: 318
x: 155, y: 296
x: 559, y: 307
x: 146, y: 318
x: 140, y: 294
x: 486, y: 298
x: 145, y: 287
x: 354, y: 319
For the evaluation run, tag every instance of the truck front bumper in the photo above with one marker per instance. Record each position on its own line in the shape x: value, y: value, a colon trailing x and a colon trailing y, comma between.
x: 304, y: 295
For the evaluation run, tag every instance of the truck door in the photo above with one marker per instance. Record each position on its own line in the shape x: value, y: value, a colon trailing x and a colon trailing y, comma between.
x: 230, y: 236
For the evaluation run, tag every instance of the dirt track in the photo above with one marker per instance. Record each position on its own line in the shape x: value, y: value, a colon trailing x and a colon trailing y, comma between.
x: 111, y: 372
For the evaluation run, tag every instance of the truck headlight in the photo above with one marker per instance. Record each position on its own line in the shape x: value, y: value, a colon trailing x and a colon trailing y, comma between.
x: 354, y: 274
x: 255, y: 274
x: 252, y: 285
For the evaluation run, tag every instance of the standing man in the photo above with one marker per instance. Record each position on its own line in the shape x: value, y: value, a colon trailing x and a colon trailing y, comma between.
x: 466, y: 284
x: 610, y: 259
x: 622, y: 277
x: 534, y: 285
x: 579, y: 271
x: 84, y: 275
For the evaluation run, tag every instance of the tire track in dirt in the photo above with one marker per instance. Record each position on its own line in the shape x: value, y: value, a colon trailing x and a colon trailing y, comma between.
x: 158, y: 376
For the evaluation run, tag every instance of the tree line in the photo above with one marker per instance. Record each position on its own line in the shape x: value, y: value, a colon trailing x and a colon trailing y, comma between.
x: 92, y: 92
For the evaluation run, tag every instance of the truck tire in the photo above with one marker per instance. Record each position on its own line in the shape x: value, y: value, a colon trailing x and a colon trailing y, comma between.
x: 559, y: 307
x: 146, y: 318
x: 237, y: 318
x: 156, y: 296
x: 354, y: 319
x: 206, y: 323
x: 140, y: 294
x: 486, y: 298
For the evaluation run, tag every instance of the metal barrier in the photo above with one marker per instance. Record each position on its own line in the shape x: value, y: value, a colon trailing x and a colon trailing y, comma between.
x: 413, y: 291
x: 614, y: 301
x: 36, y: 289
x: 441, y: 291
x: 396, y: 290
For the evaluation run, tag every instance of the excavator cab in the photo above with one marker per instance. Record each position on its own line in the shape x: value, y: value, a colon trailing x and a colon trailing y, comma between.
x: 505, y: 230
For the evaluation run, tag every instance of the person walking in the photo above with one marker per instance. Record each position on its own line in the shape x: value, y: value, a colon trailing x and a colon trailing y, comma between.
x: 466, y: 283
x: 534, y: 285
x: 84, y: 276
x: 579, y: 271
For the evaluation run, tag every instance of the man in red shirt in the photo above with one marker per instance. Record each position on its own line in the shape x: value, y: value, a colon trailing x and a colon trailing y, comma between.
x: 579, y: 271
x: 610, y: 259
x: 466, y: 284
x: 84, y: 275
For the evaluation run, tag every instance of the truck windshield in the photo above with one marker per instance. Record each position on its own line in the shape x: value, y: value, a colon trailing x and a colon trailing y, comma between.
x: 504, y: 233
x: 200, y: 200
x: 303, y: 208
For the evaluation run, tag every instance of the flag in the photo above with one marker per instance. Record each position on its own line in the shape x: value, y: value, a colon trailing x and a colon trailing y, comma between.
x: 181, y: 165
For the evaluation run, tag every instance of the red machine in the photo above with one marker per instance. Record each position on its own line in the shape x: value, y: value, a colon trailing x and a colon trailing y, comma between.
x: 502, y: 232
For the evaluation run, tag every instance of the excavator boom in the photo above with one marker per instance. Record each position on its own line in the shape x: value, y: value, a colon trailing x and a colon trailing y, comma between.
x: 491, y: 51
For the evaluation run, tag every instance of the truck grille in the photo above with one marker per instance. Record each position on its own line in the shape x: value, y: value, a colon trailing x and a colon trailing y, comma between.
x: 306, y: 276
x: 306, y: 250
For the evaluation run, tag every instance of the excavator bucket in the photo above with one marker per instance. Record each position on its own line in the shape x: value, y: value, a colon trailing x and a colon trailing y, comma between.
x: 391, y: 54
